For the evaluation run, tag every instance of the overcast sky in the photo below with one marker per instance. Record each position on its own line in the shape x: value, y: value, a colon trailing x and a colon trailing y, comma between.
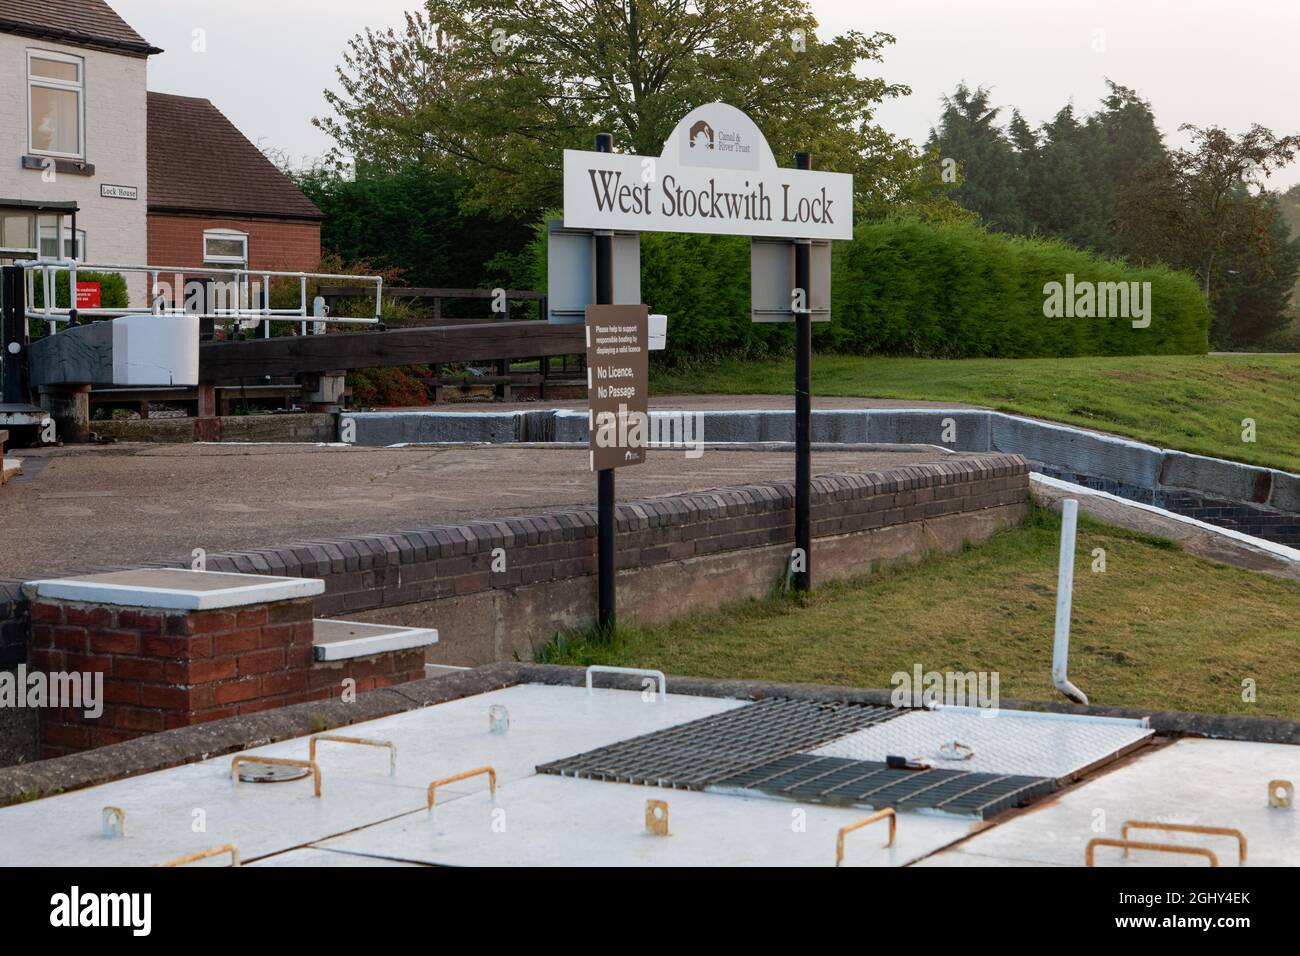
x: 1224, y: 62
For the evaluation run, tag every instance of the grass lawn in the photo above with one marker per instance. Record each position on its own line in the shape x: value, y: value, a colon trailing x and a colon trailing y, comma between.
x: 1158, y: 628
x: 1191, y: 403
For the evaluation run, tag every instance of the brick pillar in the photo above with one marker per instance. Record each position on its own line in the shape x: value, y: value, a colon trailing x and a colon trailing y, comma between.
x: 167, y: 668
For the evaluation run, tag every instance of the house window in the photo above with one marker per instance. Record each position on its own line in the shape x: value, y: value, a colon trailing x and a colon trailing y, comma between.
x: 225, y: 247
x: 16, y: 233
x: 55, y: 95
x: 50, y: 249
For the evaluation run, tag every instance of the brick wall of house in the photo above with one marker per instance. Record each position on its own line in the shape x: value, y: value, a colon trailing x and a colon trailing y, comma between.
x: 279, y: 245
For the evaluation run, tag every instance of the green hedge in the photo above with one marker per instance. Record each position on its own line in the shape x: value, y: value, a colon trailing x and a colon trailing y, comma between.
x: 112, y: 289
x: 903, y: 287
x: 958, y: 291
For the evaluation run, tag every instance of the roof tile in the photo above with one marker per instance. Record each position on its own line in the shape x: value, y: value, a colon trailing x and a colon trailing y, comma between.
x: 90, y: 23
x: 200, y: 162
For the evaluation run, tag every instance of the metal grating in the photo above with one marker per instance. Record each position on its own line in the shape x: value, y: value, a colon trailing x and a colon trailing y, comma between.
x: 1003, y: 741
x: 695, y: 754
x: 839, y: 781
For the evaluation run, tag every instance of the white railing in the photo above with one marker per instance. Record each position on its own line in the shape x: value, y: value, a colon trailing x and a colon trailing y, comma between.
x: 243, y: 300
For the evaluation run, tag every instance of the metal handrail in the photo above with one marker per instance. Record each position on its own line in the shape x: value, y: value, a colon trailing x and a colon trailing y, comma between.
x: 1137, y: 845
x: 279, y: 762
x: 636, y: 671
x: 392, y: 748
x: 887, y: 813
x: 238, y: 277
x: 1186, y: 828
x: 205, y: 854
x: 432, y: 793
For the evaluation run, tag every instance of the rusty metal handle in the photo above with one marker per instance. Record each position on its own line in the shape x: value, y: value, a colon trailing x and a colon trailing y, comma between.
x: 1159, y: 847
x: 278, y: 761
x: 491, y: 775
x: 392, y: 747
x: 1188, y: 828
x: 204, y: 854
x: 888, y: 812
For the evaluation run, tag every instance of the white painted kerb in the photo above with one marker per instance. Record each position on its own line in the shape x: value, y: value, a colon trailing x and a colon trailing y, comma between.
x: 175, y: 589
x: 343, y: 640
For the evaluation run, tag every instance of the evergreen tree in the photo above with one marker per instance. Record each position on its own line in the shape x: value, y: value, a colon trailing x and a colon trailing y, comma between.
x: 1025, y: 143
x: 1257, y: 282
x: 1126, y: 139
x: 1066, y: 182
x: 987, y: 175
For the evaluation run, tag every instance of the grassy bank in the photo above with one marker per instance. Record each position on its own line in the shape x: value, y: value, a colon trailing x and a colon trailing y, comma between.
x: 1158, y: 628
x: 1192, y: 403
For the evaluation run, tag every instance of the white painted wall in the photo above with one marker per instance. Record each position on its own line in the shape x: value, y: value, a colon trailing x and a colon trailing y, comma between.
x: 116, y: 142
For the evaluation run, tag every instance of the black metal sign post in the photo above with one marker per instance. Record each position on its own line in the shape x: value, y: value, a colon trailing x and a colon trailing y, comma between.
x: 803, y: 402
x: 605, y: 476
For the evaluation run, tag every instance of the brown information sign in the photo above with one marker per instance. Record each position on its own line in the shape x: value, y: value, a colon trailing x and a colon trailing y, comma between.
x: 617, y: 373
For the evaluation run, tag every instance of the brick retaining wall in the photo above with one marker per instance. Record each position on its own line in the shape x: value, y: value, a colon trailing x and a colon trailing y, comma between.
x: 369, y: 572
x: 398, y: 577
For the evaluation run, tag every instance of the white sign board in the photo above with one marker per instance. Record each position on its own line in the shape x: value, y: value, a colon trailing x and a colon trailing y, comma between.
x: 109, y: 191
x: 715, y: 175
x: 571, y: 272
x: 772, y: 285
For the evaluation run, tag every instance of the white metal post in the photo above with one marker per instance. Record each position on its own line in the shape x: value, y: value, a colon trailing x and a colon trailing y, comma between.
x: 1064, y: 602
x: 266, y: 306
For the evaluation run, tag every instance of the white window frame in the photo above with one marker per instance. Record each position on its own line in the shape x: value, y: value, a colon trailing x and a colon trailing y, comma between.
x: 225, y: 234
x: 43, y: 231
x: 79, y: 87
x: 32, y: 251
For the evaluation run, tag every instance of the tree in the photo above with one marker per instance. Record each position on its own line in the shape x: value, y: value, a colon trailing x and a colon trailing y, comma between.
x: 1059, y: 180
x: 1124, y: 138
x: 496, y: 90
x: 1255, y: 291
x: 1193, y: 205
x: 410, y: 220
x: 1065, y: 182
x: 988, y: 173
x: 1195, y: 210
x: 1127, y: 134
